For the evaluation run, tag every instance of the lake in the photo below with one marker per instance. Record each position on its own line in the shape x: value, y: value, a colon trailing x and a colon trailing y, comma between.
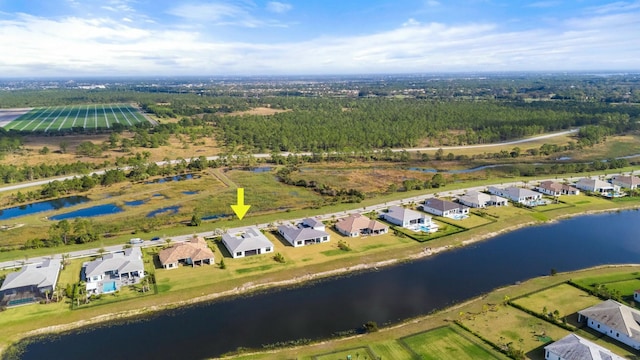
x: 389, y: 295
x: 42, y: 206
x: 98, y: 210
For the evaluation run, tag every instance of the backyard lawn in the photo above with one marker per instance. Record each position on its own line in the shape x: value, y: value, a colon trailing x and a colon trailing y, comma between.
x: 447, y: 343
x: 564, y: 298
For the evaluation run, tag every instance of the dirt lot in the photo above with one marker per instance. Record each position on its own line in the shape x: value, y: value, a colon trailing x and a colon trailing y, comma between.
x: 259, y: 111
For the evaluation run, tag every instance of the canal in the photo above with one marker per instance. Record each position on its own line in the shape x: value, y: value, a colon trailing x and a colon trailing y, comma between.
x: 389, y: 295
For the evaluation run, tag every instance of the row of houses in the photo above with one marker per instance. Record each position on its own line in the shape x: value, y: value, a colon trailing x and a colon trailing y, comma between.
x: 611, y: 318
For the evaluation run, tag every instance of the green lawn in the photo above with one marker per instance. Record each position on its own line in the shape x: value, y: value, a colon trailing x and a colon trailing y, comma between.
x: 60, y: 118
x: 446, y: 343
x: 564, y: 298
x: 592, y: 281
x: 360, y: 353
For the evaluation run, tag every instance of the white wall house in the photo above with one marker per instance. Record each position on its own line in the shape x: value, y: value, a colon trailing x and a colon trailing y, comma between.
x: 111, y: 271
x: 574, y: 347
x: 596, y: 185
x: 300, y: 236
x: 518, y: 195
x: 618, y: 321
x: 31, y: 283
x: 477, y: 199
x: 553, y: 188
x: 407, y: 218
x: 246, y: 242
x: 627, y: 182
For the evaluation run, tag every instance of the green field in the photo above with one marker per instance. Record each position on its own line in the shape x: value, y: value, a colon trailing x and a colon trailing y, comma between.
x: 564, y: 298
x: 61, y: 118
x: 446, y: 343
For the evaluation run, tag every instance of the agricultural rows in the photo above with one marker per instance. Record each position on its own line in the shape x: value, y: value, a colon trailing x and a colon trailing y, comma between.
x: 58, y: 118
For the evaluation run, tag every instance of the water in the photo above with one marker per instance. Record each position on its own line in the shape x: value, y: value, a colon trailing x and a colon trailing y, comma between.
x: 134, y: 202
x: 98, y: 210
x: 41, y: 206
x: 214, y: 217
x: 190, y: 192
x: 389, y: 295
x: 262, y: 169
x: 169, y: 209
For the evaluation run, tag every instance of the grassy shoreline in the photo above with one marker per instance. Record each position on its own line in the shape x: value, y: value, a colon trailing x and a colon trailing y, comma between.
x: 290, y: 276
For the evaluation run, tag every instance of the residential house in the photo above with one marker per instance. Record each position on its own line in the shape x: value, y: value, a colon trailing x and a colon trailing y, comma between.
x: 615, y: 320
x: 31, y: 283
x: 358, y: 224
x: 573, y: 347
x: 306, y: 233
x: 409, y: 219
x: 627, y: 182
x: 193, y: 252
x: 445, y: 208
x: 477, y: 199
x: 112, y: 271
x: 553, y: 188
x: 596, y: 185
x: 636, y: 295
x: 246, y: 242
x: 519, y: 195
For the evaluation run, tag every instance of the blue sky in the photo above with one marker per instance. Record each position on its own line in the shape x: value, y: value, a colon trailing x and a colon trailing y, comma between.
x: 255, y: 37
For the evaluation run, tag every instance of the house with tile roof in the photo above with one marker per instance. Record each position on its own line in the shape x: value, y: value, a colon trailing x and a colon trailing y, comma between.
x: 574, y: 347
x: 110, y: 272
x: 444, y: 208
x: 553, y: 188
x: 357, y: 224
x: 615, y: 320
x: 597, y: 186
x: 244, y: 242
x: 408, y: 218
x: 519, y: 195
x: 32, y: 283
x: 193, y: 252
x: 627, y: 182
x: 306, y: 233
x: 477, y: 199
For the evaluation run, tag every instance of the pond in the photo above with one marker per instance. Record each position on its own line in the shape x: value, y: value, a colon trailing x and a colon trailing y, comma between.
x: 169, y: 209
x: 173, y: 178
x: 322, y: 308
x: 134, y: 202
x: 98, y: 210
x: 23, y: 210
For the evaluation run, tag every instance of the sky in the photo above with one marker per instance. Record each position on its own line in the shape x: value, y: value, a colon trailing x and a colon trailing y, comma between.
x: 314, y: 37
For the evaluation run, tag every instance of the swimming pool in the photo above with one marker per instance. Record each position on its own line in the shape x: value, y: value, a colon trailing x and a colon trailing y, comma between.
x: 109, y: 287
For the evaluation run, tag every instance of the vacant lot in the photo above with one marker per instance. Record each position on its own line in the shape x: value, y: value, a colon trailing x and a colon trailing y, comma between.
x: 446, y: 343
x: 564, y: 298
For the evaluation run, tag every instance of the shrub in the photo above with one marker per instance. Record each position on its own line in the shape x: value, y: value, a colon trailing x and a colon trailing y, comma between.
x: 370, y: 326
x: 342, y: 245
x: 279, y: 258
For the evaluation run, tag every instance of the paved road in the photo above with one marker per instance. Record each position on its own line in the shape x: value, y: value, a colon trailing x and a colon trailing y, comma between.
x: 329, y: 216
x: 265, y: 156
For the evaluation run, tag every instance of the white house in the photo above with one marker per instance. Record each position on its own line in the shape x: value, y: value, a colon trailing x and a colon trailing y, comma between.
x: 306, y: 233
x: 108, y: 273
x: 636, y: 295
x: 358, y: 224
x: 477, y: 199
x: 596, y: 185
x: 574, y: 347
x: 615, y: 320
x: 627, y: 182
x: 409, y: 219
x: 31, y: 283
x: 553, y: 188
x: 246, y: 242
x: 518, y: 195
x: 444, y: 208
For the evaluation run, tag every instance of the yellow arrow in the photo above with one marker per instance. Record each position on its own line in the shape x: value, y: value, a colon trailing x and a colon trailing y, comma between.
x: 240, y: 208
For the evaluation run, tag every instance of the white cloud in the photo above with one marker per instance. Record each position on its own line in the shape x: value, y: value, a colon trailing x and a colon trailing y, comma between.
x: 103, y: 46
x: 222, y: 13
x: 278, y: 7
x: 619, y: 6
x: 432, y: 3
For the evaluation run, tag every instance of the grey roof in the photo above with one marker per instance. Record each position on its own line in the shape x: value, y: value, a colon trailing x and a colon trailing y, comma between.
x: 629, y: 180
x: 442, y: 205
x: 128, y: 261
x: 311, y: 222
x: 41, y: 275
x: 300, y: 233
x: 594, y: 183
x: 514, y: 192
x: 398, y: 212
x: 477, y: 197
x: 616, y: 316
x: 573, y: 347
x: 245, y: 239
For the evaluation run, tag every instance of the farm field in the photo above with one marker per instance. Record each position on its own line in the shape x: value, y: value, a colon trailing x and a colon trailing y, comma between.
x: 61, y: 118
